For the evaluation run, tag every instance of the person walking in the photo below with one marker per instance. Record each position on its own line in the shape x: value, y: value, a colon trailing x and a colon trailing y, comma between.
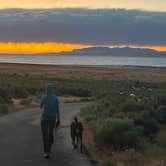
x: 50, y: 118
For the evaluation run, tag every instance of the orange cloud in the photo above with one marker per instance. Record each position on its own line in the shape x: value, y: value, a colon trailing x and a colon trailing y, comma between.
x: 51, y: 47
x: 34, y: 48
x: 157, y: 48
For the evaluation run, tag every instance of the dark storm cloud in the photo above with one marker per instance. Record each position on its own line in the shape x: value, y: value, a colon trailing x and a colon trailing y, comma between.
x: 83, y: 26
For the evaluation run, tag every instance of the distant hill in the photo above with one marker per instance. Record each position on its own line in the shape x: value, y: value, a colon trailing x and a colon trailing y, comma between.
x: 126, y: 51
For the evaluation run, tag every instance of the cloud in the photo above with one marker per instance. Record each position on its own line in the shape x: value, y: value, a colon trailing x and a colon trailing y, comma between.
x: 30, y: 48
x: 85, y: 26
x: 153, y: 5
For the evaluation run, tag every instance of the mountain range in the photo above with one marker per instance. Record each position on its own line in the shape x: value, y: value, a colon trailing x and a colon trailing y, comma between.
x: 125, y: 51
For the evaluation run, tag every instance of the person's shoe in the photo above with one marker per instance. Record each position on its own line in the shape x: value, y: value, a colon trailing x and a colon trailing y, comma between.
x: 75, y: 146
x: 46, y: 156
x: 51, y: 154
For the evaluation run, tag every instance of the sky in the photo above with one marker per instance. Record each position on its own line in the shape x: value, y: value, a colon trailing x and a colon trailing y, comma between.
x: 155, y: 5
x: 41, y: 26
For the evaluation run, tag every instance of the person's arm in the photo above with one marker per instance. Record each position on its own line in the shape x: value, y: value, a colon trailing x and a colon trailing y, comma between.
x: 58, y: 112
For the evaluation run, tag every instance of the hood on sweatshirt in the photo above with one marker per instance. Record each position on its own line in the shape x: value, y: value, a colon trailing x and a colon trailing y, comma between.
x: 49, y: 89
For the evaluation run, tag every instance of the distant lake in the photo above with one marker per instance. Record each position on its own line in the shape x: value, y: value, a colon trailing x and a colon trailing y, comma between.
x: 85, y: 60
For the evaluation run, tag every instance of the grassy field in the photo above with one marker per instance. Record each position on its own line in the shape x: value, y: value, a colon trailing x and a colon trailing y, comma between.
x: 126, y: 119
x: 132, y: 74
x: 128, y: 124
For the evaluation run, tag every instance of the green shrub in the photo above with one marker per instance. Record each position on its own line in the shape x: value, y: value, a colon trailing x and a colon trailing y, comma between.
x: 89, y: 112
x: 132, y: 106
x: 161, y: 114
x: 36, y: 98
x: 5, y: 96
x: 109, y: 162
x: 118, y: 133
x: 26, y: 101
x: 74, y: 91
x: 149, y: 124
x: 3, y: 108
x: 161, y: 138
x: 2, y: 101
x: 20, y: 92
x: 161, y: 99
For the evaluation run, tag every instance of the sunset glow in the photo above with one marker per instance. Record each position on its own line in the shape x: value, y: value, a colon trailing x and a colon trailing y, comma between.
x: 35, y: 48
x: 157, y: 48
x: 157, y: 5
x: 51, y: 47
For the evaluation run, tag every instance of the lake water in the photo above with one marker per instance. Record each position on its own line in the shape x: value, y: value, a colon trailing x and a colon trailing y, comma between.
x: 85, y: 60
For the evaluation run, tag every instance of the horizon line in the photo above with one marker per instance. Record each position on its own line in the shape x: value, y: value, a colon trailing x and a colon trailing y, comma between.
x: 57, y: 47
x: 85, y: 8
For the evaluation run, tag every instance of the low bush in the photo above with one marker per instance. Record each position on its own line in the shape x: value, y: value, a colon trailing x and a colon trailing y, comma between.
x: 149, y: 124
x: 5, y: 96
x: 109, y: 162
x: 161, y: 99
x: 74, y: 91
x: 89, y: 112
x: 132, y: 106
x: 2, y: 101
x: 20, y: 92
x: 118, y: 133
x: 26, y: 101
x: 161, y: 114
x: 161, y: 138
x: 3, y: 108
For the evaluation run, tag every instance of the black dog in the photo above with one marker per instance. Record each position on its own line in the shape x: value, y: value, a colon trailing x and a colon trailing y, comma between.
x: 77, y: 133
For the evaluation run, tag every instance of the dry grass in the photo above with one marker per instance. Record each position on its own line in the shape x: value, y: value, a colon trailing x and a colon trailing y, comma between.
x: 155, y: 75
x: 152, y: 156
x: 141, y: 74
x: 18, y: 106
